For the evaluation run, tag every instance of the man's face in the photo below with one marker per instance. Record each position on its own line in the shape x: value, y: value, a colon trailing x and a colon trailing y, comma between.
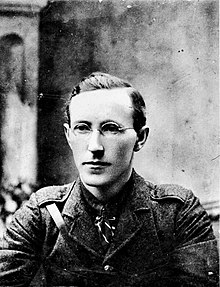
x: 101, y: 160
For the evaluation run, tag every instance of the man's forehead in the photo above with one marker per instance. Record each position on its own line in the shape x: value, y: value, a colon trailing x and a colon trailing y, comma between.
x: 117, y: 96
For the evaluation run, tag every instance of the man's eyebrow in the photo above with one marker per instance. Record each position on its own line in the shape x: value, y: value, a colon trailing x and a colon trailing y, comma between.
x: 82, y: 122
x: 109, y: 121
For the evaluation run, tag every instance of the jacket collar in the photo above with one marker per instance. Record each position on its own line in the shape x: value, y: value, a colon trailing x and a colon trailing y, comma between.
x: 136, y: 212
x: 137, y: 197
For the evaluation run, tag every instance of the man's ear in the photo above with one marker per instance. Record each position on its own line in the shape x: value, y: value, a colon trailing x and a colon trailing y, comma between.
x: 67, y: 132
x: 141, y: 138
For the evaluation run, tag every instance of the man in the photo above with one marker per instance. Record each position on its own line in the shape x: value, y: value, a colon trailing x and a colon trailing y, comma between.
x: 110, y: 227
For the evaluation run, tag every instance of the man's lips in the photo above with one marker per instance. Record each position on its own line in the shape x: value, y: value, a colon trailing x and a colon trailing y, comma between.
x: 96, y: 163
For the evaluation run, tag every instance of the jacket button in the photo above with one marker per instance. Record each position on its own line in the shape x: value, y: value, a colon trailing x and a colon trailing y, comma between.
x: 108, y: 268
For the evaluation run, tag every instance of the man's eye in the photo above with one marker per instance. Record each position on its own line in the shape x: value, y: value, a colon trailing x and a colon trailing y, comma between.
x: 82, y: 128
x: 110, y: 128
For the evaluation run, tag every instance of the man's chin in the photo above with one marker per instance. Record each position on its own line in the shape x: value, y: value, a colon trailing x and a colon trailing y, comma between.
x: 95, y: 180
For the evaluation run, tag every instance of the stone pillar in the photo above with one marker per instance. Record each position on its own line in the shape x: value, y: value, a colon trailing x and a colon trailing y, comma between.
x: 19, y: 43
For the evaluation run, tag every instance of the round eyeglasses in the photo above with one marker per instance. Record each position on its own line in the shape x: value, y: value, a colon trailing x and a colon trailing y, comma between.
x: 107, y: 129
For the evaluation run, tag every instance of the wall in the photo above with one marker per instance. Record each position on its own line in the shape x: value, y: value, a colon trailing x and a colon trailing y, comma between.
x: 169, y: 51
x: 19, y: 23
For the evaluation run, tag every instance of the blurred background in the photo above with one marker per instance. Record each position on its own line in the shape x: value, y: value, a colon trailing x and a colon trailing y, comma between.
x: 167, y: 49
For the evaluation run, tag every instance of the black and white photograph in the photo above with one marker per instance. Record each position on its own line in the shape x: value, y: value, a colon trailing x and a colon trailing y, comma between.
x: 109, y: 143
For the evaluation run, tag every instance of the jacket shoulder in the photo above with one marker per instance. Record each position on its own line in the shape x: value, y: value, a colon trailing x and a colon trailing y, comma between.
x: 55, y: 193
x: 170, y: 191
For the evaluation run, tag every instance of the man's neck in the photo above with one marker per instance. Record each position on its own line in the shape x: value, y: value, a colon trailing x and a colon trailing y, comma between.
x: 107, y: 192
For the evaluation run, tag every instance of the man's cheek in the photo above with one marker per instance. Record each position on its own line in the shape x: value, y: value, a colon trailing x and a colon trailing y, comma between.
x: 124, y: 153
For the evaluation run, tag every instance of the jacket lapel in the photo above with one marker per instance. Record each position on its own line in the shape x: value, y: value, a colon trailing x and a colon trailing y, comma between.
x: 137, y: 224
x: 80, y: 228
x: 127, y: 228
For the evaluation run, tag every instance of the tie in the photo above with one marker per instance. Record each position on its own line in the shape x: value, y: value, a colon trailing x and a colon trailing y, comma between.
x: 106, y: 227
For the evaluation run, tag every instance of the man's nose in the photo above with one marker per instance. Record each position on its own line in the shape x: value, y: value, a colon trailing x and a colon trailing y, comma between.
x: 95, y: 143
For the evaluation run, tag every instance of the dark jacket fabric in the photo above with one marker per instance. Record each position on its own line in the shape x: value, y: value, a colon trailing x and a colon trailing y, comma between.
x: 163, y: 238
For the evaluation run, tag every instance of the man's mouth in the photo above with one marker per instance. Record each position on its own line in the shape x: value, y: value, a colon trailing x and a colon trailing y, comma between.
x: 96, y: 163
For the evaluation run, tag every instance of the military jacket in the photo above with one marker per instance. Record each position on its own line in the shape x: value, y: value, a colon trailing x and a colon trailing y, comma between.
x: 163, y: 238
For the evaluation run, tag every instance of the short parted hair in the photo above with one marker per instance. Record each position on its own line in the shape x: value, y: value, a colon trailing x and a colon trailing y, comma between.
x: 99, y: 80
